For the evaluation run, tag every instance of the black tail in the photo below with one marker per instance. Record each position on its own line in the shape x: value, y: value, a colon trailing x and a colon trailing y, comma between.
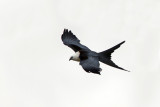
x: 105, y: 56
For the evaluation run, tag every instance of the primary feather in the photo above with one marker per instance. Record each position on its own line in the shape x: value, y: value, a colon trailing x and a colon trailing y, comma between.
x: 72, y: 41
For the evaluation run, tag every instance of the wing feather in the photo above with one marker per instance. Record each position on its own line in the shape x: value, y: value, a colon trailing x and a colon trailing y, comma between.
x: 72, y: 41
x: 91, y: 64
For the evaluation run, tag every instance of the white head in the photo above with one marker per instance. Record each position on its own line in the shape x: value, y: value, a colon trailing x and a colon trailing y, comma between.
x: 75, y: 57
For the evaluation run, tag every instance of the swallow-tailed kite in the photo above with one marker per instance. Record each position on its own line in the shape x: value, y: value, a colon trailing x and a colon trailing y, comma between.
x: 89, y: 60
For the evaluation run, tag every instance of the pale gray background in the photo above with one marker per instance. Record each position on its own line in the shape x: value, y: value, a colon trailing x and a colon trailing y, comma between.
x: 34, y: 66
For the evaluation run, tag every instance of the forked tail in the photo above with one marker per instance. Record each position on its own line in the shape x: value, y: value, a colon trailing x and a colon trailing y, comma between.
x: 105, y: 56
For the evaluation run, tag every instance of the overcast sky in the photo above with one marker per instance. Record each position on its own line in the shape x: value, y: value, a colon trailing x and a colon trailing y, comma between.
x: 35, y: 70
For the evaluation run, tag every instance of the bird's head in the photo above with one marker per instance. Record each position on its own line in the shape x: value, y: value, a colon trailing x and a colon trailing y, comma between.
x: 75, y: 57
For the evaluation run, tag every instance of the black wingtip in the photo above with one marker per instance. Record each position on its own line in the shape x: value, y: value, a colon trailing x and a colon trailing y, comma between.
x: 65, y: 30
x: 98, y: 73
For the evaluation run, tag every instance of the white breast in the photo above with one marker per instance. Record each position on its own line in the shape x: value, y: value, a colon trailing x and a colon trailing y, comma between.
x: 75, y: 57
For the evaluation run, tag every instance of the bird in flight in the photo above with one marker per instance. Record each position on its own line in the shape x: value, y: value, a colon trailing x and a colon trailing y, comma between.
x: 88, y: 59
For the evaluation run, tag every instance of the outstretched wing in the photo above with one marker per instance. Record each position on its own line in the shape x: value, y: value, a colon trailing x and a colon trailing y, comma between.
x: 91, y: 64
x: 72, y: 41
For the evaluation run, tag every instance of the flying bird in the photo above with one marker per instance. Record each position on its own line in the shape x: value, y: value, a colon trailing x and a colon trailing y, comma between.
x: 88, y: 59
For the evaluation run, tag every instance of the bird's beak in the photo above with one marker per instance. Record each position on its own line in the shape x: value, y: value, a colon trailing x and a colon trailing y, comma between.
x: 70, y: 58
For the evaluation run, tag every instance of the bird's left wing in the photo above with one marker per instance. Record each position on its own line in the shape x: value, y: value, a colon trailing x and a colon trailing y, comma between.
x: 72, y: 41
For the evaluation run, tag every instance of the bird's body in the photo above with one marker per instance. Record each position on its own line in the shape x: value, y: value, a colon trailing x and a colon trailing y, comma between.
x: 89, y: 60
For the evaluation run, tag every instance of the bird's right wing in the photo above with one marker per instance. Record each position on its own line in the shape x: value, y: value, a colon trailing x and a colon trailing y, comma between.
x: 91, y: 64
x: 72, y: 41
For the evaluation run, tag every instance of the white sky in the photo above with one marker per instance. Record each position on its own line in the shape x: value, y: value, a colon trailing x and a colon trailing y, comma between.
x: 34, y: 66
